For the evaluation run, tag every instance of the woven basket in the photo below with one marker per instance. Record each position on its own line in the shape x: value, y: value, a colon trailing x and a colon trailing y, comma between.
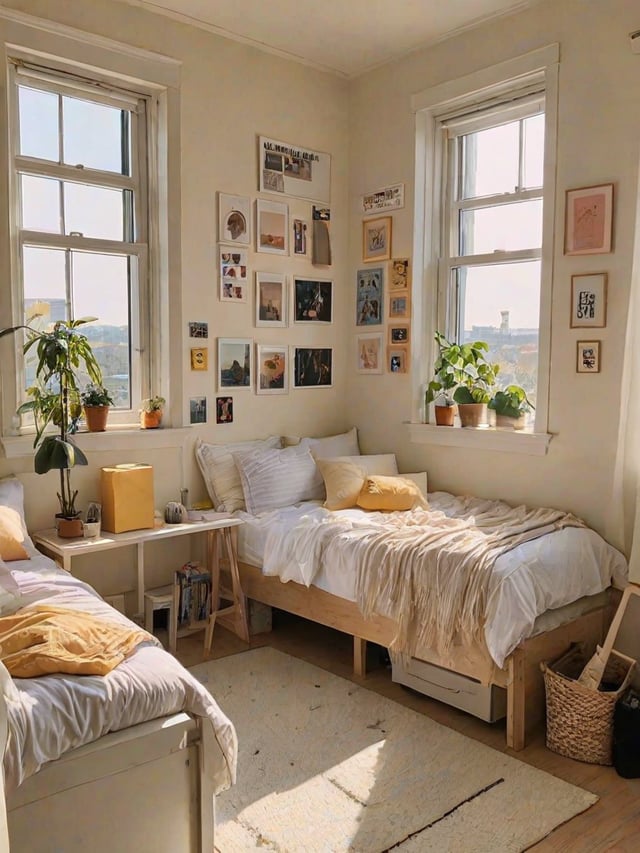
x: 579, y: 718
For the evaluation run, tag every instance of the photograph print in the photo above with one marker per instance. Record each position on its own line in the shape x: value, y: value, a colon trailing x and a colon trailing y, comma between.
x: 272, y: 227
x: 224, y: 410
x: 312, y: 367
x: 271, y: 299
x: 233, y: 273
x: 234, y: 363
x: 313, y: 301
x: 198, y: 329
x: 369, y: 296
x: 234, y: 212
x: 198, y: 410
x: 272, y: 369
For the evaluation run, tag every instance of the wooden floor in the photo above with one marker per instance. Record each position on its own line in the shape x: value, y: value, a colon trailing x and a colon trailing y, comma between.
x: 613, y: 824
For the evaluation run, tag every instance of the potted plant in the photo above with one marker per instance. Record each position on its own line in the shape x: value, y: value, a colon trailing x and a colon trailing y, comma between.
x: 477, y: 377
x: 511, y: 406
x: 96, y: 400
x: 61, y: 352
x: 151, y: 412
x: 446, y: 375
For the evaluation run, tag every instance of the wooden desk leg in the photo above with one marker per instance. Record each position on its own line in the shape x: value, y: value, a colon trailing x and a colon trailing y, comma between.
x: 516, y: 701
x: 240, y: 616
x: 213, y: 566
x: 359, y: 656
x: 140, y: 549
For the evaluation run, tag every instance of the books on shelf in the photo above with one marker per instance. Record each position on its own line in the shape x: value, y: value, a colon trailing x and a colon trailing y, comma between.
x: 194, y: 600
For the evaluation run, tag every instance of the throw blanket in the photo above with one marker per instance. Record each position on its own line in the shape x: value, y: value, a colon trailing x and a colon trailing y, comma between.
x: 41, y: 640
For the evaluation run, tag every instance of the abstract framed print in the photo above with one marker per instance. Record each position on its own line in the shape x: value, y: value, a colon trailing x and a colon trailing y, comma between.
x: 370, y: 353
x: 588, y: 360
x: 224, y: 410
x: 271, y: 299
x: 589, y: 300
x: 234, y: 219
x: 272, y: 369
x: 312, y: 367
x: 376, y: 239
x: 589, y: 220
x: 235, y: 367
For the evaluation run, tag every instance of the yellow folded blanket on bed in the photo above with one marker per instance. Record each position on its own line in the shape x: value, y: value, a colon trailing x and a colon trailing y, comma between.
x: 41, y: 640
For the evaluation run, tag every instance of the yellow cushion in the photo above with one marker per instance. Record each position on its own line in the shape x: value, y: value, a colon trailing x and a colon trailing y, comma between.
x: 342, y: 480
x: 390, y: 494
x: 11, y: 535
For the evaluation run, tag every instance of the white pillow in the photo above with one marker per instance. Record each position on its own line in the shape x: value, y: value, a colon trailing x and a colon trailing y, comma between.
x: 276, y: 478
x: 12, y: 495
x: 372, y: 463
x: 219, y: 470
x: 419, y: 478
x: 10, y: 598
x: 345, y: 444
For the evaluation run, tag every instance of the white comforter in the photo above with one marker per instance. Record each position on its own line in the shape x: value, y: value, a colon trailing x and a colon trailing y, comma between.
x: 540, y: 575
x: 52, y: 714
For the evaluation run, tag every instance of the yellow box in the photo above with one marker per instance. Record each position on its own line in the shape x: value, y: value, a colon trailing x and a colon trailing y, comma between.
x: 127, y: 497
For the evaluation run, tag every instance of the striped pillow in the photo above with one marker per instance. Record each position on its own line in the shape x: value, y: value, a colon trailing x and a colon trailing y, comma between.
x: 220, y: 473
x: 276, y: 478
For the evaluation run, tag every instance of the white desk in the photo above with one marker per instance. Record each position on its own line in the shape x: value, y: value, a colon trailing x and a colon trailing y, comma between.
x: 65, y: 550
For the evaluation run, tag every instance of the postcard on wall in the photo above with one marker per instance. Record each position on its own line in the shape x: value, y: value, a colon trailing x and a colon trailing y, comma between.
x: 234, y: 219
x: 369, y: 296
x: 232, y: 262
x: 272, y: 369
x: 397, y: 360
x: 313, y: 301
x: 271, y: 299
x: 198, y: 329
x: 312, y: 367
x: 289, y: 169
x: 370, y: 353
x: 272, y: 227
x: 224, y: 410
x: 399, y: 274
x: 198, y: 410
x: 234, y: 363
x: 199, y: 358
x: 399, y: 306
x: 388, y: 198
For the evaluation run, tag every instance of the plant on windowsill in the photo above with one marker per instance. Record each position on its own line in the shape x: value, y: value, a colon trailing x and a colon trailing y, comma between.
x: 446, y: 374
x: 511, y: 406
x: 151, y: 410
x: 477, y: 376
x: 96, y: 400
x: 61, y: 351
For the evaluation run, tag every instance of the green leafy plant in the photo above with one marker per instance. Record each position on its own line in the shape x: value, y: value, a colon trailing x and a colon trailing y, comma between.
x: 477, y: 374
x: 152, y: 404
x: 62, y: 353
x: 446, y: 372
x: 512, y: 402
x: 96, y: 395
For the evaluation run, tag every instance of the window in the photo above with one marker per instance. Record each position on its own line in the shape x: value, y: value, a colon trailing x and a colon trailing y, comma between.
x: 79, y: 155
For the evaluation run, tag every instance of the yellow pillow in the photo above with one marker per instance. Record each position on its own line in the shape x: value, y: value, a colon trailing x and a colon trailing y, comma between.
x: 342, y: 480
x: 390, y: 494
x: 11, y: 535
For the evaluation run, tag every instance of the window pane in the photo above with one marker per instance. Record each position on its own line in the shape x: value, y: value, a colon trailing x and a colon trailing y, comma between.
x: 44, y: 294
x: 40, y: 204
x: 490, y: 161
x: 506, y: 227
x: 533, y: 162
x: 500, y: 304
x: 101, y: 289
x: 93, y: 136
x: 38, y: 124
x: 94, y: 211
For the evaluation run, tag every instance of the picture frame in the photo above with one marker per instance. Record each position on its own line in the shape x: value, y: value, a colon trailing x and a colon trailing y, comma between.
x: 272, y: 369
x: 399, y: 274
x: 369, y: 296
x: 312, y: 367
x: 376, y: 239
x: 199, y: 358
x: 235, y: 363
x: 388, y: 198
x: 289, y: 169
x: 271, y: 299
x: 234, y: 273
x: 312, y: 300
x: 397, y: 360
x: 198, y: 329
x: 224, y: 410
x: 300, y: 230
x: 272, y: 227
x: 370, y: 353
x: 589, y: 220
x: 197, y: 410
x: 399, y: 305
x: 588, y: 357
x: 589, y: 300
x: 234, y: 219
x: 399, y: 333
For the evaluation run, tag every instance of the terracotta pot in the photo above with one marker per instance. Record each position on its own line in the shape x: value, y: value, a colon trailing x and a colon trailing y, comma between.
x: 151, y: 420
x: 69, y: 528
x: 445, y: 415
x: 96, y: 418
x: 472, y: 414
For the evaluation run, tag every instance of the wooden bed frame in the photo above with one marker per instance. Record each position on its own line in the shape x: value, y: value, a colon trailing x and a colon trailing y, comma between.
x: 521, y: 676
x: 143, y: 788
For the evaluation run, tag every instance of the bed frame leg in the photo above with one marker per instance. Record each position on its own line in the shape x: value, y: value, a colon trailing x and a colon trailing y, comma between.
x: 359, y: 657
x: 516, y: 701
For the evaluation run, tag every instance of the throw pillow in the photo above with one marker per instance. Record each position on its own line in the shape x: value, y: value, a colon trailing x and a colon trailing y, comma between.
x: 11, y: 535
x: 344, y: 476
x: 389, y: 494
x: 276, y: 478
x: 219, y: 470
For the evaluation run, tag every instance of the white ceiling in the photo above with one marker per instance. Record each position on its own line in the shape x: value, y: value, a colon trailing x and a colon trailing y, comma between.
x: 345, y: 37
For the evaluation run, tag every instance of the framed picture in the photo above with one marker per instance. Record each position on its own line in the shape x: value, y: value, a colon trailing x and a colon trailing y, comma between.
x: 272, y: 371
x: 224, y: 410
x: 369, y: 296
x: 399, y: 333
x: 588, y: 357
x: 399, y: 274
x: 313, y: 300
x: 388, y: 198
x: 370, y: 353
x: 589, y: 220
x: 376, y: 239
x: 589, y: 300
x: 272, y: 227
x: 292, y: 170
x: 199, y: 358
x: 234, y: 219
x: 232, y: 262
x: 299, y: 237
x: 399, y: 306
x: 198, y: 410
x: 397, y: 360
x: 271, y: 299
x: 312, y: 367
x: 198, y: 330
x: 234, y: 363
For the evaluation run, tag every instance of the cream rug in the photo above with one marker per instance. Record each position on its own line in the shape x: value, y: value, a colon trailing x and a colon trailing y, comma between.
x: 327, y: 765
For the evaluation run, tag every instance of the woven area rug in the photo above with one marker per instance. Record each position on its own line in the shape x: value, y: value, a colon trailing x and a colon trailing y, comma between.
x: 327, y: 765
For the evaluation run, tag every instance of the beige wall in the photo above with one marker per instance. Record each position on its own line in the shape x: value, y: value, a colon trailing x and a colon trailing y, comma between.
x: 598, y: 142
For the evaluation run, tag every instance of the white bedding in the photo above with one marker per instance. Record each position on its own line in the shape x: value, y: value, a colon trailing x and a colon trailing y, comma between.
x: 52, y: 714
x: 539, y: 575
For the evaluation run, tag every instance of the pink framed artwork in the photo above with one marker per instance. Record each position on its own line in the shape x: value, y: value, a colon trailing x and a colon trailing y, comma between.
x: 589, y: 220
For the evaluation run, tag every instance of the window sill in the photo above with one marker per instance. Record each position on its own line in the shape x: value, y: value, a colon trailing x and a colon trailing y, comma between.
x: 503, y: 440
x: 124, y: 438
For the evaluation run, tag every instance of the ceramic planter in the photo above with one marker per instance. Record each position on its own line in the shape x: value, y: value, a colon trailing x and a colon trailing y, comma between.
x: 445, y: 415
x: 69, y: 528
x: 96, y: 418
x: 507, y: 422
x: 151, y: 420
x: 472, y: 414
